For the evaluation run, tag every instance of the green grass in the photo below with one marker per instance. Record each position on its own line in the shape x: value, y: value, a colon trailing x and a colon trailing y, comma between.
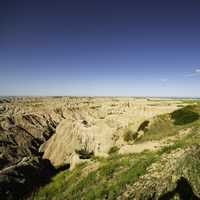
x: 170, y: 124
x: 59, y: 183
x: 186, y: 141
x: 112, y: 177
x: 117, y: 171
x: 108, y: 181
x: 185, y: 115
x: 161, y: 127
x: 113, y: 150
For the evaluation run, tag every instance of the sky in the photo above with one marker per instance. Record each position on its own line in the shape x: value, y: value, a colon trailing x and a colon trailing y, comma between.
x: 100, y: 47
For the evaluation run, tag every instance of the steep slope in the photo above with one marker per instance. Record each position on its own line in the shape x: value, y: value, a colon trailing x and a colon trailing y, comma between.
x: 96, y: 129
x: 24, y: 126
x: 169, y: 172
x: 65, y: 131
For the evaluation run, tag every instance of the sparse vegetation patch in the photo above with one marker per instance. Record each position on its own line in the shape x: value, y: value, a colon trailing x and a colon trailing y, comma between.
x: 113, y: 150
x: 130, y: 135
x: 184, y: 116
x: 143, y: 126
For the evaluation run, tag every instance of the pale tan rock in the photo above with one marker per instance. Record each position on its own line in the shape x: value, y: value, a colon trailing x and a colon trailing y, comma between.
x: 98, y: 127
x: 92, y: 123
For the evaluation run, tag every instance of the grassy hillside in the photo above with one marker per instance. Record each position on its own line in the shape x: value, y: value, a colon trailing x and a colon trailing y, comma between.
x: 171, y: 124
x: 111, y: 177
x: 108, y: 181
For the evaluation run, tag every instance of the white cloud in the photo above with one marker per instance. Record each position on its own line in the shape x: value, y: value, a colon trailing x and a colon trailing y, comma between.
x: 196, y: 72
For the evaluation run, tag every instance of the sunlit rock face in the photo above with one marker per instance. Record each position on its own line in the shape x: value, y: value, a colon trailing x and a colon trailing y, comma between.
x: 65, y: 125
x: 95, y: 125
x: 64, y: 130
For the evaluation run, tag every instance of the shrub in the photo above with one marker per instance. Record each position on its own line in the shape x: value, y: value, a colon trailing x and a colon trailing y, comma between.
x: 113, y: 149
x: 130, y: 135
x: 184, y: 116
x: 143, y: 126
x: 84, y: 154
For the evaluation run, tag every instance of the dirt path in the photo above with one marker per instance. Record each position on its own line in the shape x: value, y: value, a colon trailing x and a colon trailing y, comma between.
x: 153, y: 145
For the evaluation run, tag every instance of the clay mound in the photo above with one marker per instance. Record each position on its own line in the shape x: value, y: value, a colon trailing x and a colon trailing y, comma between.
x: 74, y: 136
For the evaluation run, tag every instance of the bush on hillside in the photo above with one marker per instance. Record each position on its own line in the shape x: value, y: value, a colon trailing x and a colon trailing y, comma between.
x: 143, y: 126
x: 84, y: 153
x: 113, y: 150
x: 130, y: 135
x: 184, y: 116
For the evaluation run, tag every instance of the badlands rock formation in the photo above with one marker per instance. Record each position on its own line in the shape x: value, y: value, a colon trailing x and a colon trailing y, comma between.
x: 25, y: 123
x: 162, y: 163
x: 64, y: 130
x: 96, y: 126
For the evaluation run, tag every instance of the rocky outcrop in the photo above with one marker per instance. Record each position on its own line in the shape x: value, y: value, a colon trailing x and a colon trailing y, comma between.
x: 73, y: 137
x: 174, y: 176
x: 22, y: 130
x: 64, y: 130
x: 21, y: 135
x: 97, y: 128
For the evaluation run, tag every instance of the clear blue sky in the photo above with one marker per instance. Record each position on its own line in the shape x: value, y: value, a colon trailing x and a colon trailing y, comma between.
x: 100, y: 47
